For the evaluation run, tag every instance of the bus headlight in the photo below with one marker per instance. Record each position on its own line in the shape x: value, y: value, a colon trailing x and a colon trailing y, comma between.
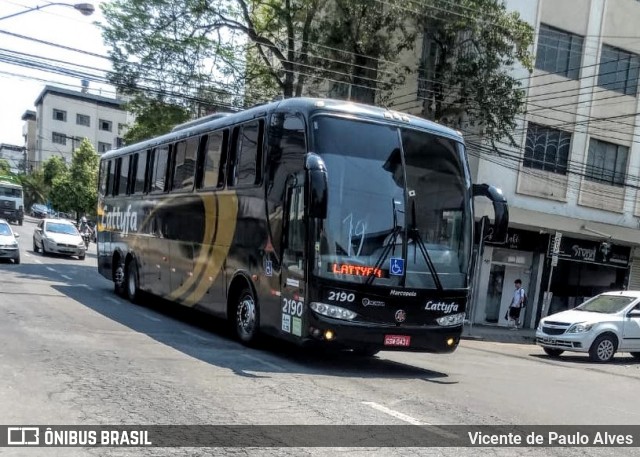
x: 451, y: 320
x: 333, y: 311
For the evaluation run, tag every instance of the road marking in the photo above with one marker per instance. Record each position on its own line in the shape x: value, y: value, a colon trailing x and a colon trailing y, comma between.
x: 50, y: 269
x: 195, y: 335
x: 273, y: 366
x: 113, y: 300
x: 38, y: 261
x: 69, y: 278
x: 394, y: 413
x: 149, y: 316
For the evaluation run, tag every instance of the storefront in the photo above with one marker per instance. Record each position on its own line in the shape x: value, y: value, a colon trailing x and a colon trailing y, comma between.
x: 585, y: 268
x: 522, y: 257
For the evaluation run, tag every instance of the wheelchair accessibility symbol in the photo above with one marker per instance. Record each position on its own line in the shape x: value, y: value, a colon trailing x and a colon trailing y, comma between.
x: 397, y: 266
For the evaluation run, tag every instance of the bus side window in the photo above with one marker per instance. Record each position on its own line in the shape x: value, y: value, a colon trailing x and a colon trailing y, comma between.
x: 184, y: 164
x: 213, y: 160
x: 159, y: 176
x: 294, y: 242
x: 124, y: 175
x: 141, y: 168
x: 247, y: 165
x: 104, y: 174
x: 148, y: 177
x: 111, y: 174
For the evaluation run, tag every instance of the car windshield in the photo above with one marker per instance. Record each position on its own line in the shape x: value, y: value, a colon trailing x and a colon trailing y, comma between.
x: 387, y: 182
x: 606, y: 304
x: 5, y: 230
x: 56, y: 227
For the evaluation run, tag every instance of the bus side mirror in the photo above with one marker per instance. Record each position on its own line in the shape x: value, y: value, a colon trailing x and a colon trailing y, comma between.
x: 500, y: 209
x: 317, y: 186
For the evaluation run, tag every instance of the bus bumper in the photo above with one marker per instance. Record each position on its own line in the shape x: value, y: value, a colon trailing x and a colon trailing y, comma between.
x: 434, y: 339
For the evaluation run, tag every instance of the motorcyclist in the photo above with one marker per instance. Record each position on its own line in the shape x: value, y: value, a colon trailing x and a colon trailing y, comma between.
x: 85, y: 227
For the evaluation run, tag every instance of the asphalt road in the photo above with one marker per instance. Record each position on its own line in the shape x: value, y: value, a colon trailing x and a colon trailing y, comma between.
x: 74, y: 353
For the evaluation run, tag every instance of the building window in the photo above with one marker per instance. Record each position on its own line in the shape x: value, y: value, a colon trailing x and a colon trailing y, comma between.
x: 59, y: 115
x: 120, y: 128
x: 618, y: 70
x: 547, y: 149
x: 606, y: 163
x: 83, y: 119
x: 559, y: 52
x: 105, y: 125
x: 119, y: 142
x: 103, y: 147
x: 59, y: 138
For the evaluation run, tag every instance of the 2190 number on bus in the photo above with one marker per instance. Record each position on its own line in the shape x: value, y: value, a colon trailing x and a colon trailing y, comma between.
x: 292, y: 307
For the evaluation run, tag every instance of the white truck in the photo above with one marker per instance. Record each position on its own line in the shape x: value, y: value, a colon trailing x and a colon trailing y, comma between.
x: 11, y: 201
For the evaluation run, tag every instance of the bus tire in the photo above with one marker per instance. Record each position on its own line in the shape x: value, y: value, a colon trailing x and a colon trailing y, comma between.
x: 119, y: 282
x: 133, y: 282
x: 246, y: 317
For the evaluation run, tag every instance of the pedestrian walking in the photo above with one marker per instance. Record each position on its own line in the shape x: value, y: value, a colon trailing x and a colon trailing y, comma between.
x: 518, y: 303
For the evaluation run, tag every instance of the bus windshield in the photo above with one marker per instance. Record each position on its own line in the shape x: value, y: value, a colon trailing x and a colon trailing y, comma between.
x: 12, y: 192
x: 399, y: 206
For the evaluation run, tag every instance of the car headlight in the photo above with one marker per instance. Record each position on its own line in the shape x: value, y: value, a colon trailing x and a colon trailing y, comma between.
x: 580, y: 328
x: 333, y: 311
x: 451, y: 320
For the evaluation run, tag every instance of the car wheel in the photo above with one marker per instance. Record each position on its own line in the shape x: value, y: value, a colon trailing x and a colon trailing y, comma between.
x: 133, y: 285
x: 44, y: 250
x: 635, y: 355
x: 20, y: 222
x: 603, y: 348
x: 35, y: 246
x: 17, y: 260
x: 247, y: 317
x: 81, y: 257
x: 553, y: 352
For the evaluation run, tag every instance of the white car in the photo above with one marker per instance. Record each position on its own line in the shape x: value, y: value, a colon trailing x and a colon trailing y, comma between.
x: 9, y: 248
x: 58, y: 236
x: 603, y: 325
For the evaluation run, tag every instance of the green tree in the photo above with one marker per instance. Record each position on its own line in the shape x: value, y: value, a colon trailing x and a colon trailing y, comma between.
x: 473, y: 45
x: 252, y: 48
x: 76, y: 190
x: 52, y: 168
x: 153, y: 117
x: 5, y: 168
x: 34, y: 187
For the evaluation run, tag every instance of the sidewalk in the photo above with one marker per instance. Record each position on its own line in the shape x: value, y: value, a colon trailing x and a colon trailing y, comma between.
x: 498, y: 334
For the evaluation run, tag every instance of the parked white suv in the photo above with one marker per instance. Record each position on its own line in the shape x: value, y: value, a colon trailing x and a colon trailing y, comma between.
x: 603, y: 325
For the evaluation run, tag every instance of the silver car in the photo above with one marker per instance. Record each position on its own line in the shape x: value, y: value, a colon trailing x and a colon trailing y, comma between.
x: 57, y: 236
x: 9, y: 248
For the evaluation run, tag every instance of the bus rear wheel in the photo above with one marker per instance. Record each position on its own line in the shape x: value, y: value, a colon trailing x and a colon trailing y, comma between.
x: 133, y: 288
x: 247, y: 317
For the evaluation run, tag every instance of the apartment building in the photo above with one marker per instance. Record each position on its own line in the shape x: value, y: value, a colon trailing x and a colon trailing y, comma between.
x: 575, y: 172
x: 65, y: 117
x: 29, y: 136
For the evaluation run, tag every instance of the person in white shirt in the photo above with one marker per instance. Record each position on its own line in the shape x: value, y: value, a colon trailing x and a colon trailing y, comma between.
x: 517, y: 303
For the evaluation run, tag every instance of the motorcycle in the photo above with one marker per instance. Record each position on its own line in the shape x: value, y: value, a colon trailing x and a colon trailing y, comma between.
x: 86, y: 237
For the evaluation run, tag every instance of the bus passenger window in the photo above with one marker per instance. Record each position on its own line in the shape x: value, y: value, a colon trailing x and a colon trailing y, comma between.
x: 160, y: 170
x: 249, y: 157
x: 112, y: 175
x: 104, y: 174
x: 138, y: 186
x: 294, y: 249
x: 124, y: 175
x: 211, y: 170
x: 185, y: 164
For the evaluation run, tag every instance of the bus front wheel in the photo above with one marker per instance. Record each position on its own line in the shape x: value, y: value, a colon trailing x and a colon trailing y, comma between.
x: 247, y: 317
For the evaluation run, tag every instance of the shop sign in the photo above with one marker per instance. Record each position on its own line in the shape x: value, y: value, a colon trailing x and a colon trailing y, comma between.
x: 603, y: 253
x: 521, y: 240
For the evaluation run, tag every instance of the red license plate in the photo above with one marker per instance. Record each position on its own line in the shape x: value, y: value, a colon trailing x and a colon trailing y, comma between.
x: 397, y: 340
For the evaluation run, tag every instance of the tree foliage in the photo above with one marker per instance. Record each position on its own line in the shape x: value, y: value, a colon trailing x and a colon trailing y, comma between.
x: 34, y: 187
x: 467, y: 82
x: 239, y: 51
x: 76, y: 189
x: 153, y: 117
x: 52, y: 168
x: 5, y: 168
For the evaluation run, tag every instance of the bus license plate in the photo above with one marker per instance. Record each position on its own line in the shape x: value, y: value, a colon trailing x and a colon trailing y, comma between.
x: 397, y: 340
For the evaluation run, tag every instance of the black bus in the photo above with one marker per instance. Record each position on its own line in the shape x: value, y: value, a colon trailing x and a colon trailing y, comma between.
x: 313, y: 220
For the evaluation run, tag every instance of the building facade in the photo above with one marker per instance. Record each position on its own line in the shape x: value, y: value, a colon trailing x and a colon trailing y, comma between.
x: 14, y: 155
x: 574, y: 176
x: 65, y: 117
x: 29, y: 136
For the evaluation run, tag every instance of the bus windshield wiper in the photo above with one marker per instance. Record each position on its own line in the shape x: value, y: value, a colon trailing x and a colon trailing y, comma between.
x: 388, y: 246
x: 414, y: 234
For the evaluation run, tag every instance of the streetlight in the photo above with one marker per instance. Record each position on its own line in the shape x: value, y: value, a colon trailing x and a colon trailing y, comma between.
x: 86, y: 9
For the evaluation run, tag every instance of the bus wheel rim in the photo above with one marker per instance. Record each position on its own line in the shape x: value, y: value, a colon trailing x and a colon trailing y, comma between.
x: 132, y: 282
x: 246, y: 315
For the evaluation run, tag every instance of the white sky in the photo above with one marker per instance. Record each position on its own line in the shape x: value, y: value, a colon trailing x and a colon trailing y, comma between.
x: 56, y: 24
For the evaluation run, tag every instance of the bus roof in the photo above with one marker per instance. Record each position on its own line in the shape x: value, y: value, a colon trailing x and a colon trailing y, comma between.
x: 7, y: 183
x: 298, y: 104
